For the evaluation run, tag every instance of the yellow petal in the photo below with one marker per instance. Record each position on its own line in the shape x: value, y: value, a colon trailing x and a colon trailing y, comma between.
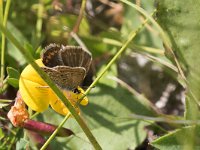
x: 57, y: 104
x: 33, y: 88
x: 29, y: 73
x: 84, y: 101
x: 34, y: 95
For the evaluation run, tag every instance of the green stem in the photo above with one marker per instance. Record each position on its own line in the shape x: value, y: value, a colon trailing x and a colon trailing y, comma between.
x: 3, y: 42
x: 166, y: 42
x: 5, y: 18
x: 34, y: 115
x: 122, y: 49
x: 141, y: 98
x: 148, y: 49
x: 4, y: 85
x: 150, y: 18
x: 81, y: 13
x: 1, y: 10
x: 39, y: 20
x: 117, y: 43
x: 160, y: 61
x: 12, y: 142
x: 5, y: 100
x: 55, y: 132
x: 51, y: 84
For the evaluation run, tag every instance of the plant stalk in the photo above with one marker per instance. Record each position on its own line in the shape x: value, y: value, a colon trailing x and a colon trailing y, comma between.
x: 3, y: 18
x: 51, y: 84
x: 81, y: 14
x: 122, y: 49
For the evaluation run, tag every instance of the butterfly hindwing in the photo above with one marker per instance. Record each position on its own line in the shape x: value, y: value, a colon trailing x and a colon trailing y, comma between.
x: 51, y: 56
x: 52, y: 73
x: 75, y: 56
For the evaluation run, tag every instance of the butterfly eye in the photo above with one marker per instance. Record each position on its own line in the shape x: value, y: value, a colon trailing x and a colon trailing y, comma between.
x: 76, y: 91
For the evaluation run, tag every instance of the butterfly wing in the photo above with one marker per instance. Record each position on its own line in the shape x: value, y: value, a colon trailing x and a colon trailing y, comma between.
x: 66, y: 77
x: 75, y: 56
x: 71, y: 76
x: 51, y: 56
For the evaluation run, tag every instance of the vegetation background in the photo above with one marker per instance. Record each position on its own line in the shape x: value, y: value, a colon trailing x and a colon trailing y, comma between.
x: 148, y: 97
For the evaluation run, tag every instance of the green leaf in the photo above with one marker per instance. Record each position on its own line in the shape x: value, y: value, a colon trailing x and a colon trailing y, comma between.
x: 14, y: 82
x: 119, y: 136
x: 12, y: 50
x: 29, y: 48
x: 182, y: 139
x: 1, y: 134
x: 13, y: 73
x: 180, y: 19
x: 22, y: 144
x: 38, y: 52
x: 111, y: 72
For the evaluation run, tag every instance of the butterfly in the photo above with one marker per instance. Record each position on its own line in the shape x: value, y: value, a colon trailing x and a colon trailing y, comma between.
x: 67, y: 66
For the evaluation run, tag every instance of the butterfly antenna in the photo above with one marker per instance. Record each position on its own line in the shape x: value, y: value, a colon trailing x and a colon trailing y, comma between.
x: 42, y: 86
x: 86, y: 87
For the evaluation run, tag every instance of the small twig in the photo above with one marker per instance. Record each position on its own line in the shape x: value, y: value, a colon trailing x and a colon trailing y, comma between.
x: 3, y: 43
x: 142, y: 98
x: 10, y: 130
x: 56, y: 90
x: 12, y: 142
x: 2, y: 47
x: 34, y: 115
x: 81, y: 14
x: 149, y: 49
x: 4, y: 85
x: 5, y: 100
x: 138, y: 2
x: 39, y: 20
x: 166, y: 120
x: 158, y: 60
x: 55, y: 132
x: 78, y: 40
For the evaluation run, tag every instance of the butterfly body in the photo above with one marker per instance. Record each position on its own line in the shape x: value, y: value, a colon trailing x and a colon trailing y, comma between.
x: 67, y: 66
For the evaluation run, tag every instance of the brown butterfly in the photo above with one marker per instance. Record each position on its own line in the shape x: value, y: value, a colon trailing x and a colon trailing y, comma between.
x: 67, y: 66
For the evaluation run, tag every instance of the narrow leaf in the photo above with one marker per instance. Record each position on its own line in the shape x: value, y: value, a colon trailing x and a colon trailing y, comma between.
x: 13, y: 73
x: 14, y: 82
x: 184, y: 138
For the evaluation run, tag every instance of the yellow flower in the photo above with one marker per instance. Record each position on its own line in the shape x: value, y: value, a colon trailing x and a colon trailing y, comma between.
x: 37, y: 95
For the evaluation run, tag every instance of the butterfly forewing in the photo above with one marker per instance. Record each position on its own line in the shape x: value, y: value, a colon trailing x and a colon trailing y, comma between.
x: 51, y: 56
x: 66, y: 77
x: 72, y: 76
